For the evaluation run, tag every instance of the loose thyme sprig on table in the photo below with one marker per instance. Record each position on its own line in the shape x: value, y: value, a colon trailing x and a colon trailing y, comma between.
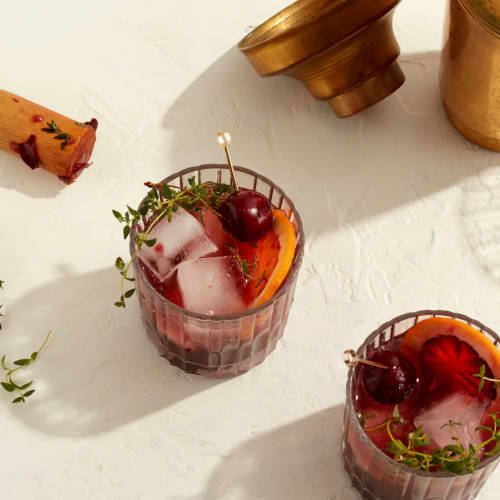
x: 452, y: 458
x: 163, y: 200
x: 10, y: 386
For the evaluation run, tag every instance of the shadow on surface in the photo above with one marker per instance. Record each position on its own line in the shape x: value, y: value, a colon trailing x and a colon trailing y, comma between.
x: 398, y: 152
x: 14, y: 174
x: 98, y: 371
x: 299, y: 461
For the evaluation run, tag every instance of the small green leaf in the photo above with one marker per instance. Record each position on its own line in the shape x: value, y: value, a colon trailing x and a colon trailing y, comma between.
x: 167, y: 192
x: 472, y: 450
x: 126, y: 232
x: 456, y: 467
x: 144, y: 210
x: 120, y: 304
x: 61, y: 136
x: 22, y: 362
x: 396, y: 412
x: 482, y: 369
x: 119, y: 264
x: 118, y: 215
x: 396, y: 447
x: 484, y: 427
x: 244, y: 267
x: 132, y: 211
x: 129, y: 293
x: 34, y: 356
x: 192, y: 181
x: 477, y: 375
x: 49, y: 130
x: 82, y: 124
x: 3, y: 364
x: 454, y: 449
x: 129, y: 279
x: 169, y: 217
x: 150, y: 243
x: 481, y: 384
x: 29, y: 393
x: 18, y: 400
x: 25, y: 386
x: 8, y: 387
x: 491, y: 453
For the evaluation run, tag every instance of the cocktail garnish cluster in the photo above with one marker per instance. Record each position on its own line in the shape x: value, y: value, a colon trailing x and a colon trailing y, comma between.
x: 211, y: 248
x: 426, y: 408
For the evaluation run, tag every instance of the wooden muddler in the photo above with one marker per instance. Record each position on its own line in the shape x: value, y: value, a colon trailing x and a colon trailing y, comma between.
x: 64, y: 149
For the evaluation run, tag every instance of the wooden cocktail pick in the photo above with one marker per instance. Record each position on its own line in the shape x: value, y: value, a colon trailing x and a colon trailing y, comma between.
x: 225, y: 140
x: 351, y: 359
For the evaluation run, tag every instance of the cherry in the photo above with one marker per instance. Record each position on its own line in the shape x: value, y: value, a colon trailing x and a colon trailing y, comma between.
x: 393, y: 385
x: 248, y: 216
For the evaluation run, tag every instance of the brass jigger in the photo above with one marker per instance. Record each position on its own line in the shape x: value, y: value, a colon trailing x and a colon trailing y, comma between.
x: 225, y: 140
x: 351, y: 360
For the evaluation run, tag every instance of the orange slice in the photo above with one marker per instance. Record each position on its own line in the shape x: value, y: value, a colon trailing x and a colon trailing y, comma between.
x: 434, y: 327
x: 274, y: 255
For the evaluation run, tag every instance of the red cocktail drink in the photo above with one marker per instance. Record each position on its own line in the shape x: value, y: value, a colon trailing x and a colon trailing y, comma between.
x: 211, y: 304
x: 426, y: 427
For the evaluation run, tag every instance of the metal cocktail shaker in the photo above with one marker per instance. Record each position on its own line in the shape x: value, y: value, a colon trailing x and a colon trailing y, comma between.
x: 470, y: 70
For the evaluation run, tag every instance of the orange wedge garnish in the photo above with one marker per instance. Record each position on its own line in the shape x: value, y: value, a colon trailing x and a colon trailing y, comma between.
x: 434, y: 327
x: 274, y: 255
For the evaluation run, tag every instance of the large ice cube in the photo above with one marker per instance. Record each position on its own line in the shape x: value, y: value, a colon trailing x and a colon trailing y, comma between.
x: 177, y: 241
x: 215, y: 231
x: 459, y: 408
x: 212, y: 286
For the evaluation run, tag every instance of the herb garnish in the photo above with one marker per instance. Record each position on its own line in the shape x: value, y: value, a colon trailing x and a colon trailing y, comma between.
x: 163, y: 200
x: 62, y: 136
x: 483, y: 378
x: 82, y: 124
x: 10, y: 386
x: 248, y: 272
x: 452, y: 458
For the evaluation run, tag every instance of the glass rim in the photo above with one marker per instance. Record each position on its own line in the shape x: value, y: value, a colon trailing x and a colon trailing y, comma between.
x: 350, y: 380
x: 292, y: 272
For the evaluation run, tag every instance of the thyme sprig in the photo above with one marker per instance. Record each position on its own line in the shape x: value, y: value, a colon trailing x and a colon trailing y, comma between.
x: 164, y: 200
x: 248, y: 271
x: 10, y: 386
x: 482, y: 376
x: 452, y: 458
x: 54, y: 129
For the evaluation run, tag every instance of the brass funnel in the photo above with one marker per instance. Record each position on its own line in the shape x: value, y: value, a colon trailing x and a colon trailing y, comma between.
x: 343, y: 51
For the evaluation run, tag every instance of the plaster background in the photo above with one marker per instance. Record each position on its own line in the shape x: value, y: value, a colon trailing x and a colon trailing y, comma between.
x: 400, y: 214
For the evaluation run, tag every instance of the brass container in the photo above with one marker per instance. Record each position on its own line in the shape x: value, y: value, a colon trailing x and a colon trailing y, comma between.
x: 343, y: 51
x: 470, y: 70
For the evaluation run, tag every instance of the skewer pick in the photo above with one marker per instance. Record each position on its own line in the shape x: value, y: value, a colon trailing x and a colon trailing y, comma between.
x: 351, y: 359
x: 225, y: 140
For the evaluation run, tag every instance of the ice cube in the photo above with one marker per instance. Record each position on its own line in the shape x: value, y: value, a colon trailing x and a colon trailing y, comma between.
x: 215, y: 231
x: 177, y: 241
x: 459, y: 408
x: 212, y: 286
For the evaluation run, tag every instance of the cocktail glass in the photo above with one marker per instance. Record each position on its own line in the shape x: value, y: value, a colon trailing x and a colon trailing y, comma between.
x: 373, y: 474
x: 220, y: 346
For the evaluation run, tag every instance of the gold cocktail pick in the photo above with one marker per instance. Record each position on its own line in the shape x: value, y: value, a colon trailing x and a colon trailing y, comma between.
x: 225, y: 140
x: 351, y: 359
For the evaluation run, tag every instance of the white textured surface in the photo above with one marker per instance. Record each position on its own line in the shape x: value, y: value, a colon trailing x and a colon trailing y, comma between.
x: 400, y: 214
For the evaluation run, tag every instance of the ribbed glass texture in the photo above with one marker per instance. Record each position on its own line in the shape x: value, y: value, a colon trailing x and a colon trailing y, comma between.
x: 220, y: 346
x: 373, y: 474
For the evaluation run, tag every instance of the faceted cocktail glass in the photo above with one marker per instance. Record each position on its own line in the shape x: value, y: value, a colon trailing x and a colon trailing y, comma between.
x: 220, y: 346
x: 373, y: 474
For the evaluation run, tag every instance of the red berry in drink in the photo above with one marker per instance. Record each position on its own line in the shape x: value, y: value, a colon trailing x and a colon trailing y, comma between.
x: 248, y: 216
x: 393, y: 385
